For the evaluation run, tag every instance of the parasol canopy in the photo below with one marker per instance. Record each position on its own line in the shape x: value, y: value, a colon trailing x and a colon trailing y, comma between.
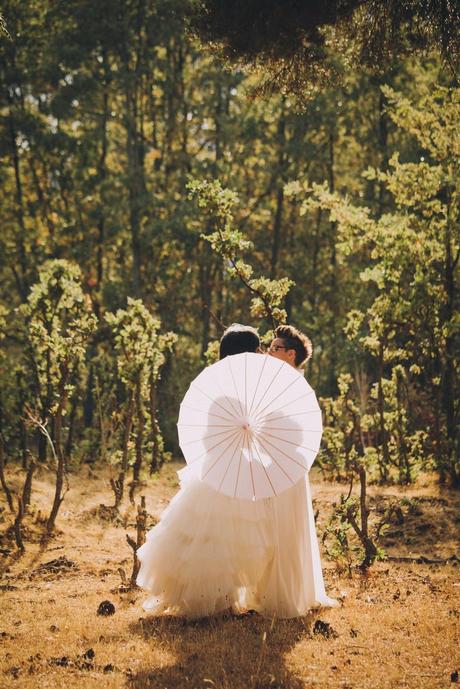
x: 250, y: 426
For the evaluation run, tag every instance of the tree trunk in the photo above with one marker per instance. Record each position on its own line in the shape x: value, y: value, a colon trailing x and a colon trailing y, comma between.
x: 139, y: 441
x: 383, y: 144
x: 449, y: 374
x: 385, y: 463
x: 370, y: 549
x: 404, y: 462
x: 102, y: 174
x: 21, y: 279
x: 118, y: 484
x: 7, y: 491
x: 135, y: 149
x: 334, y: 286
x: 278, y: 220
x: 155, y: 461
x: 206, y: 291
x: 72, y: 418
x: 27, y: 490
x: 60, y: 457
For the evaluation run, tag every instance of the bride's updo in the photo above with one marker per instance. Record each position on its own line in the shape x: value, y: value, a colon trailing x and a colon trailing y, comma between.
x: 237, y: 339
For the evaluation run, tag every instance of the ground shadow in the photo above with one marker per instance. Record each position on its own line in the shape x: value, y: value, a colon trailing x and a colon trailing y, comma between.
x: 244, y: 652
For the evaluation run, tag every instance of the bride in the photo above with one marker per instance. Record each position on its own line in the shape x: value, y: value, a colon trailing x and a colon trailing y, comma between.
x: 212, y: 553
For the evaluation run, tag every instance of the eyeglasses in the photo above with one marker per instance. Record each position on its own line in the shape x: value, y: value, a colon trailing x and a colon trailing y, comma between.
x: 276, y: 348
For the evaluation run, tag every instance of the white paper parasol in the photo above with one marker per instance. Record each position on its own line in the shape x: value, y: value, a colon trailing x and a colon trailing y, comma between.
x: 250, y: 426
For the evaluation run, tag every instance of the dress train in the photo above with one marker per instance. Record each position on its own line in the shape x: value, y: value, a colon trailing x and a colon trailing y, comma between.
x: 210, y: 552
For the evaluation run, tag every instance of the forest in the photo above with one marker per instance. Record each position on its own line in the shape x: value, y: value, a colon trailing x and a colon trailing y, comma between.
x: 153, y: 193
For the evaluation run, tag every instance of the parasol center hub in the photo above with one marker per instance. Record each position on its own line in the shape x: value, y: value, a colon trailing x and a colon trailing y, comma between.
x: 246, y: 424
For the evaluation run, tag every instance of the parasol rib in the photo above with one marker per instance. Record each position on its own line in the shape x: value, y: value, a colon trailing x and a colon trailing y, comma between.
x: 235, y: 411
x: 207, y: 437
x: 299, y: 413
x: 222, y: 454
x: 290, y: 442
x: 209, y: 450
x: 263, y: 467
x: 228, y: 466
x: 288, y: 404
x: 208, y: 413
x: 280, y: 428
x: 205, y: 425
x: 214, y: 401
x: 268, y: 387
x: 234, y: 385
x: 291, y: 385
x: 258, y: 383
x: 246, y: 384
x: 238, y: 473
x: 250, y: 465
x: 277, y: 463
x: 283, y: 453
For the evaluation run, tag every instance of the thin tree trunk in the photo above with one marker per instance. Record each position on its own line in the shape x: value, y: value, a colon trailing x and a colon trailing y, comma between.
x: 404, y: 462
x: 334, y: 286
x: 205, y: 282
x: 17, y: 525
x: 135, y: 148
x: 27, y: 490
x: 102, y: 174
x: 385, y: 463
x: 369, y: 547
x: 383, y: 143
x: 141, y: 528
x: 449, y: 373
x: 88, y: 404
x: 20, y: 236
x: 155, y: 461
x: 139, y: 441
x: 277, y: 229
x: 7, y: 491
x: 60, y: 457
x: 72, y: 418
x: 119, y: 483
x: 278, y: 220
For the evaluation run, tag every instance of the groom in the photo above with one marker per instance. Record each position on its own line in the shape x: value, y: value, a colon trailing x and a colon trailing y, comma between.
x: 291, y: 346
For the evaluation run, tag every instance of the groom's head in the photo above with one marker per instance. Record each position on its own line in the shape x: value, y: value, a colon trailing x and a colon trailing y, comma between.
x: 238, y: 339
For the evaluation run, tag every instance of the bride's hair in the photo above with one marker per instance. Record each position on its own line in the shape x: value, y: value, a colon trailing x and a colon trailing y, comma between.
x: 237, y: 339
x: 296, y: 340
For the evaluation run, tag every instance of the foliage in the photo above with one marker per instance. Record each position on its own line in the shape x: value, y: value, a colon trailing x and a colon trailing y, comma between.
x: 230, y: 244
x: 140, y: 346
x: 412, y: 275
x: 290, y: 41
x: 58, y: 319
x: 107, y: 110
x: 141, y: 353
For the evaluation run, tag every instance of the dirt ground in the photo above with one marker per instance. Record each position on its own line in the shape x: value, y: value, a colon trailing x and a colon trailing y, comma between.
x: 398, y: 626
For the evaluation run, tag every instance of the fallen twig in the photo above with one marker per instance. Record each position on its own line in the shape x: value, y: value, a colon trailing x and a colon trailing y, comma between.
x: 422, y: 560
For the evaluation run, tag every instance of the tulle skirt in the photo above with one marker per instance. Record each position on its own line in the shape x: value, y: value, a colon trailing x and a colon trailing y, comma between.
x: 211, y: 552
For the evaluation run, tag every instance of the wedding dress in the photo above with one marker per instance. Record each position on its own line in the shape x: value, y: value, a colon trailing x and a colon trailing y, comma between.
x: 210, y: 552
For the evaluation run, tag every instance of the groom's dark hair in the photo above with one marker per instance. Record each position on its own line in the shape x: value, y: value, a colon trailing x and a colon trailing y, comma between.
x: 297, y: 341
x: 238, y: 339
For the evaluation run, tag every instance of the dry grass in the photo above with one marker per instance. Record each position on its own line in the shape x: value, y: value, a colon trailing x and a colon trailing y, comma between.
x: 397, y: 627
